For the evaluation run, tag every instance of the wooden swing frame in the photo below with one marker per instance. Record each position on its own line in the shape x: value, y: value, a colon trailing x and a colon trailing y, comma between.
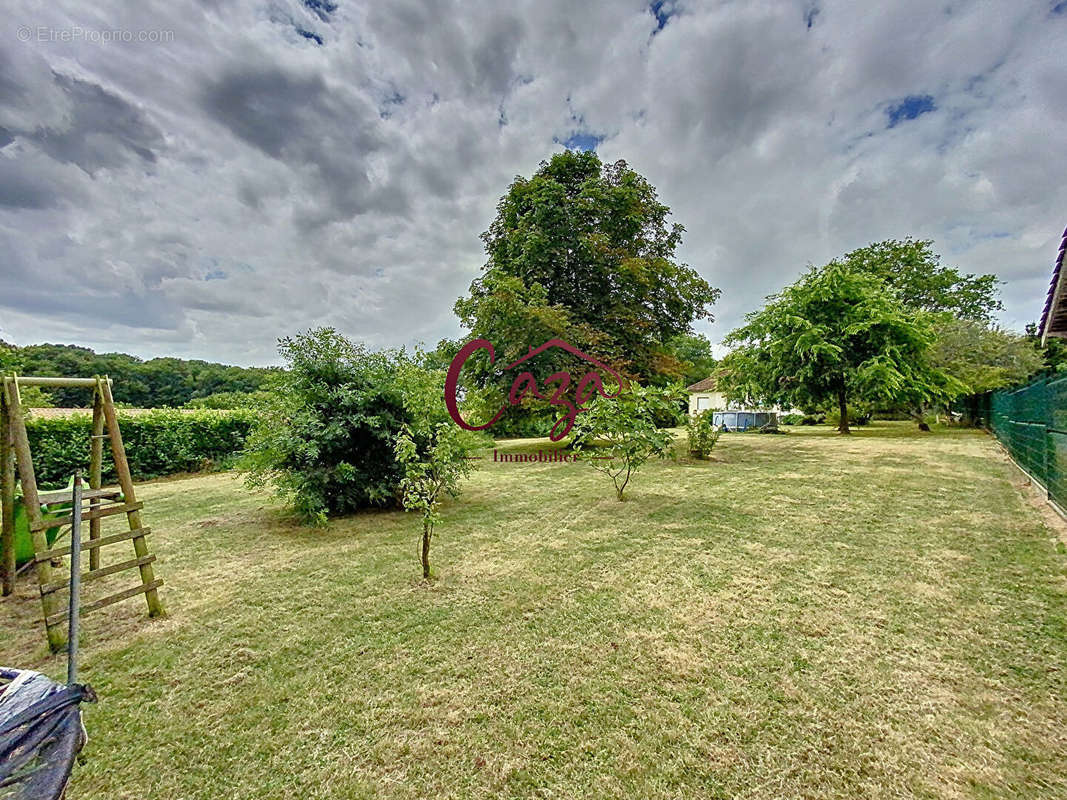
x: 102, y: 502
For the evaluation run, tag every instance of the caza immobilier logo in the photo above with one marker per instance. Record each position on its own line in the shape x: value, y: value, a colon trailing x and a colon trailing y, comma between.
x: 526, y: 384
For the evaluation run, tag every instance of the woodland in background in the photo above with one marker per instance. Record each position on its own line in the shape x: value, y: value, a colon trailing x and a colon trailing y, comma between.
x: 156, y: 383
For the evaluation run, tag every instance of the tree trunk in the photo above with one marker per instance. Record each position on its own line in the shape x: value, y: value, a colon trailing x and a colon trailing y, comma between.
x: 842, y: 407
x: 426, y: 531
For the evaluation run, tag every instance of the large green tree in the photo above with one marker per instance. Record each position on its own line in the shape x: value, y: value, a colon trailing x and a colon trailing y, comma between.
x: 583, y: 251
x: 913, y: 271
x: 837, y: 335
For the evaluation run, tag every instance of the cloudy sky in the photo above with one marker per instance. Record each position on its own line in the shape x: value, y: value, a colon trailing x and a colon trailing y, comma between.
x: 199, y: 178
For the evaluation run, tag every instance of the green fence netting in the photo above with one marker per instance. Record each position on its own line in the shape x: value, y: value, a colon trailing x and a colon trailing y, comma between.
x: 1031, y: 422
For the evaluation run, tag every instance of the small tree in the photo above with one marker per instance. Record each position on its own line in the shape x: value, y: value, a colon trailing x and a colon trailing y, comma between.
x: 433, y: 451
x: 620, y: 433
x: 702, y: 433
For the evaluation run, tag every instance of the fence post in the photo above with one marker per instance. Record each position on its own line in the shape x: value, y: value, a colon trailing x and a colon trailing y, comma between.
x: 1046, y: 417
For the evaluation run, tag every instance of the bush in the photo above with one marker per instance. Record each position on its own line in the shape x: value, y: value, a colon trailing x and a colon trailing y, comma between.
x: 325, y: 439
x: 857, y: 415
x: 793, y: 419
x: 702, y: 434
x: 160, y: 442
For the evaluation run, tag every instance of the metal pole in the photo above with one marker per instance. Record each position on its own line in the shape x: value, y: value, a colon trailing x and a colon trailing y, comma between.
x: 75, y: 580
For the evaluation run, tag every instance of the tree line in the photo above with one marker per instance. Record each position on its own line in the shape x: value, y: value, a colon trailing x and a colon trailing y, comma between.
x: 155, y: 383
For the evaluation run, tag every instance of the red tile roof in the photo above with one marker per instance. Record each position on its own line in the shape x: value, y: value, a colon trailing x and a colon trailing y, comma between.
x: 706, y: 385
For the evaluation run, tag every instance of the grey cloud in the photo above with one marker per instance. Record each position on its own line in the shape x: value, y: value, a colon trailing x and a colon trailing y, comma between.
x: 50, y: 291
x: 72, y: 120
x: 300, y: 120
x: 20, y: 188
x: 105, y: 131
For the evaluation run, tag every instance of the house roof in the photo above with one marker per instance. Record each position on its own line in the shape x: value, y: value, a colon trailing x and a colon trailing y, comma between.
x: 706, y: 385
x: 1054, y: 317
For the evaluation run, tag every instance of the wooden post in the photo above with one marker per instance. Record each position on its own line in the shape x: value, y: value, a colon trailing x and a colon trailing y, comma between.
x: 7, y: 500
x: 33, y: 507
x: 122, y: 468
x: 96, y: 460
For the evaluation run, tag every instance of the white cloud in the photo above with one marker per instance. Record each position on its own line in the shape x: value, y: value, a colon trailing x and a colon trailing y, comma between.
x: 238, y: 182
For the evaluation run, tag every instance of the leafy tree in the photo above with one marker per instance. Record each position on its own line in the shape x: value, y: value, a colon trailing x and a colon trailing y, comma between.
x: 326, y: 438
x: 441, y: 356
x: 836, y: 334
x: 620, y: 434
x: 702, y: 433
x: 1054, y: 353
x: 433, y: 451
x: 583, y: 251
x: 694, y: 354
x: 912, y: 270
x: 983, y: 358
x: 10, y: 358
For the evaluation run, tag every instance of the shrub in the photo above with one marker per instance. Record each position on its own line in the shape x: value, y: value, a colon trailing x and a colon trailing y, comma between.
x: 857, y: 415
x: 792, y: 419
x: 621, y: 432
x: 325, y: 440
x: 702, y: 434
x: 159, y: 442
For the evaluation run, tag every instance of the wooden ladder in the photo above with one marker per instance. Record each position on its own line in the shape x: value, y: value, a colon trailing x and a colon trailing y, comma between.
x: 100, y: 502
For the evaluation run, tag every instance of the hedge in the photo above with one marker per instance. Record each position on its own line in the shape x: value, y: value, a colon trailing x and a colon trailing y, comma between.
x: 159, y: 442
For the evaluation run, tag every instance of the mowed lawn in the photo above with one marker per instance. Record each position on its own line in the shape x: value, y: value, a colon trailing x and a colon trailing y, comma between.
x: 882, y: 615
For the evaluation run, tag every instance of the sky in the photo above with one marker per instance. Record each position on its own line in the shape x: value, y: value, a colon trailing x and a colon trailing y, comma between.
x: 200, y: 178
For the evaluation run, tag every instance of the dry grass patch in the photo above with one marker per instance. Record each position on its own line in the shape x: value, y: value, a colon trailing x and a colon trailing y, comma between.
x: 805, y: 616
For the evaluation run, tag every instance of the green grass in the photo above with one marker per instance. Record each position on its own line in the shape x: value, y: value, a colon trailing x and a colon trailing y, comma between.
x: 882, y: 615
